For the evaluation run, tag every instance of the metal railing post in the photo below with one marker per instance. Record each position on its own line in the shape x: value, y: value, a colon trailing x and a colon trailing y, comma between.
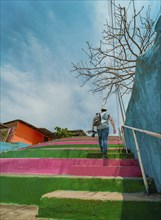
x: 124, y: 141
x: 140, y: 162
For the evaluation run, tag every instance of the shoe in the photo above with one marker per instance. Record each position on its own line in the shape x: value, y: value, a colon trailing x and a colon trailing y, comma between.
x: 105, y: 156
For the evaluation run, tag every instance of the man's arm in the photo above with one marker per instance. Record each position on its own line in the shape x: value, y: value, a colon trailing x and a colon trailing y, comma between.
x: 113, y: 125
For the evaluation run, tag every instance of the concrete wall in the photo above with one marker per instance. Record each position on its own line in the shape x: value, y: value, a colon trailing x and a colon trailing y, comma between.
x: 144, y: 109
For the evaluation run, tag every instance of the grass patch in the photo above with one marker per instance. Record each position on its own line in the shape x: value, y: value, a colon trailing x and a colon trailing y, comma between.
x: 98, y: 209
x: 29, y: 189
x: 40, y: 153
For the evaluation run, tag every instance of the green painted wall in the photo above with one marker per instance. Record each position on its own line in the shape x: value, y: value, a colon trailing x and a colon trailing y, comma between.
x: 144, y: 109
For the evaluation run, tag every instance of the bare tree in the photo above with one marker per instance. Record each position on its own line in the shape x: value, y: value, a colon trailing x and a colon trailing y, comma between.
x: 113, y: 63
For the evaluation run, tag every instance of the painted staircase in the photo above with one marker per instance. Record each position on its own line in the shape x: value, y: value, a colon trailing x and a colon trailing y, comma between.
x: 84, y: 187
x: 101, y: 205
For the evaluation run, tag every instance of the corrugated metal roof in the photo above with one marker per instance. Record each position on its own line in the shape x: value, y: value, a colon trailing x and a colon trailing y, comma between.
x: 47, y: 132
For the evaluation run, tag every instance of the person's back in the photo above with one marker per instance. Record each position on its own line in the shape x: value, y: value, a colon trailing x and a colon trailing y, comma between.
x: 104, y: 120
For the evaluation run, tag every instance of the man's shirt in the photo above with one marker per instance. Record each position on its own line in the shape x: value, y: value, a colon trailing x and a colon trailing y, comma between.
x: 104, y: 120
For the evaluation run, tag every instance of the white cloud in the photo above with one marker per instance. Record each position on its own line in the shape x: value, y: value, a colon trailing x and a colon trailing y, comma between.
x: 47, y: 104
x: 37, y: 87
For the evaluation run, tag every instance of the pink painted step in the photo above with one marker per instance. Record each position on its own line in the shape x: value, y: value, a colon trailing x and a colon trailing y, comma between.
x: 121, y: 171
x: 55, y: 143
x: 33, y: 166
x: 56, y: 166
x: 84, y: 138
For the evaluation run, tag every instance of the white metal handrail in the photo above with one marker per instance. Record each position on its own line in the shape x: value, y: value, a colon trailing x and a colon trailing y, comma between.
x: 154, y: 134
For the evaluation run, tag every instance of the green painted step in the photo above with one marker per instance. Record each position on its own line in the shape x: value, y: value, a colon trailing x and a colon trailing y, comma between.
x: 110, y: 150
x: 99, y: 205
x: 39, y: 153
x: 111, y: 155
x: 78, y: 146
x: 29, y: 189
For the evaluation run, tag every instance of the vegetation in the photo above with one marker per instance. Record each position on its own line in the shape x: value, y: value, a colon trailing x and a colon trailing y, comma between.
x: 62, y: 132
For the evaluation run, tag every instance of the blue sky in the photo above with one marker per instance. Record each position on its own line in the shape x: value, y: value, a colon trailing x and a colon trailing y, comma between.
x: 39, y: 41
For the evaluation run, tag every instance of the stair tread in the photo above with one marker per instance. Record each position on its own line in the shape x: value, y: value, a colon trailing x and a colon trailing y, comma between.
x: 113, y: 196
x: 82, y: 148
x: 75, y: 176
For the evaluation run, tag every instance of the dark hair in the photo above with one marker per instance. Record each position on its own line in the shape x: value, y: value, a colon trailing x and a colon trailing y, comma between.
x: 103, y: 110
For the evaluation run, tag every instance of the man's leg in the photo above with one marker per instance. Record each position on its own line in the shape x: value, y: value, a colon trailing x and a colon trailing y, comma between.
x: 100, y: 142
x: 105, y: 133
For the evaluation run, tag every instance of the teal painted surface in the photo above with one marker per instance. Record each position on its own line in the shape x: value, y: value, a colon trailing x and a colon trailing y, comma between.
x: 11, y: 146
x: 144, y: 109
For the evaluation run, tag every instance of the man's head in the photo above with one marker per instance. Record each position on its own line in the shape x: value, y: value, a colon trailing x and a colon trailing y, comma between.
x: 103, y: 109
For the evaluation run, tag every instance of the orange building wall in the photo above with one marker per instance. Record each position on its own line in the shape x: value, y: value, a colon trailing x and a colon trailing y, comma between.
x: 27, y: 135
x: 13, y: 127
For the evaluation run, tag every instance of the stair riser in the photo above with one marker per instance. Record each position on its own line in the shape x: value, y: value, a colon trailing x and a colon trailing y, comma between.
x: 87, y: 138
x: 41, y: 153
x: 55, y: 166
x: 52, y: 143
x: 106, y: 171
x: 92, y: 210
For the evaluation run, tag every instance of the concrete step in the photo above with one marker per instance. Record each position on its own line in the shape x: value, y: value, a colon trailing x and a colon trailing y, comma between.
x: 112, y: 196
x: 100, y: 205
x: 122, y: 171
x: 56, y: 166
x: 18, y: 212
